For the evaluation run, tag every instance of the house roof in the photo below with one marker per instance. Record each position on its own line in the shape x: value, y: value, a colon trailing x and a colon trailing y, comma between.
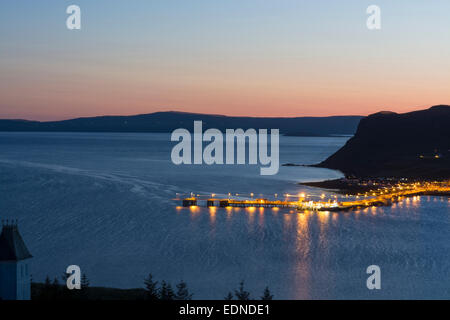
x: 12, y: 246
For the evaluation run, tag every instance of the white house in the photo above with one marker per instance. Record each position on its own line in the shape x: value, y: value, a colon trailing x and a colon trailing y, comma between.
x: 15, y: 278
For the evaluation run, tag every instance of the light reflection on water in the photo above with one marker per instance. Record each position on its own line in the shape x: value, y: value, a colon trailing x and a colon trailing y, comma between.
x: 303, y: 268
x: 212, y: 216
x: 326, y: 249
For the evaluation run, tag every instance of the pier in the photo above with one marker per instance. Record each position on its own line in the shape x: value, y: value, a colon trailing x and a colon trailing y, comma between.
x: 382, y: 196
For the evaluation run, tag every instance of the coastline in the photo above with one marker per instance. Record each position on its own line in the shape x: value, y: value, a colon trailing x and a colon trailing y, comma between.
x: 341, y: 186
x: 379, y: 192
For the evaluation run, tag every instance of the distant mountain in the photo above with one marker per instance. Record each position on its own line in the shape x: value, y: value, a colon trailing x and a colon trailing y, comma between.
x: 387, y: 144
x: 169, y: 121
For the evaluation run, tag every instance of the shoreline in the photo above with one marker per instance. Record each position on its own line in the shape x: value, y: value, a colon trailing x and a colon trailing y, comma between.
x: 342, y: 186
x: 359, y: 186
x: 379, y: 192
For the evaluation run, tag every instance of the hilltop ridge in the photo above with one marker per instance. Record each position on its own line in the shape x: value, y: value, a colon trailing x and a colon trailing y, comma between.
x: 407, y: 145
x: 169, y: 121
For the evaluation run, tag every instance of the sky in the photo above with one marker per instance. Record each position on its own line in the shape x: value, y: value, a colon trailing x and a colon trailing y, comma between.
x: 234, y: 57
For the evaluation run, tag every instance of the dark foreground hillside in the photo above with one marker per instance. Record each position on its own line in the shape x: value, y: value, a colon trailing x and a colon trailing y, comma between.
x: 387, y: 144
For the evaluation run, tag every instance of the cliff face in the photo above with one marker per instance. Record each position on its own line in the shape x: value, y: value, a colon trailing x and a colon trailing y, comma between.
x: 387, y: 144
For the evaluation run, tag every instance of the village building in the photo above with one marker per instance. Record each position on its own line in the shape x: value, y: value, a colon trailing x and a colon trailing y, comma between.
x: 15, y: 277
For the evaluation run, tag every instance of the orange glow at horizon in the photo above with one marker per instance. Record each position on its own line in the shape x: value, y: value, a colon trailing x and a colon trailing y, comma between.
x: 275, y: 60
x: 326, y: 90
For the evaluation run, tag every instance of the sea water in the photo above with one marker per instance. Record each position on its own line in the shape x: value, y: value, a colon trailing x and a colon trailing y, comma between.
x: 105, y: 201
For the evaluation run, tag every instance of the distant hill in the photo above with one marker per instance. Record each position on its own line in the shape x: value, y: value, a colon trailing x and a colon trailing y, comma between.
x: 387, y: 144
x: 169, y: 121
